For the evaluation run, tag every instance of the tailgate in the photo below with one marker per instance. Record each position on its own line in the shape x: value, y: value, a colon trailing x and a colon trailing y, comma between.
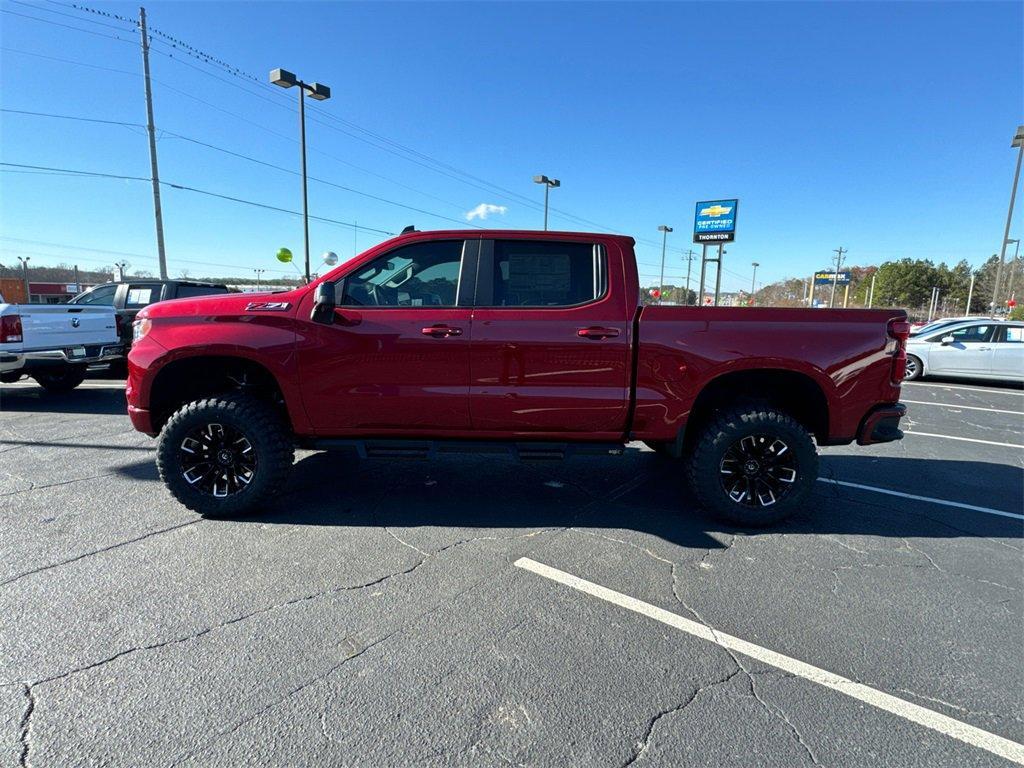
x: 60, y: 326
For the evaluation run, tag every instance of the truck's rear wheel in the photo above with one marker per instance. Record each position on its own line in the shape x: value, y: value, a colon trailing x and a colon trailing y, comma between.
x: 224, y: 455
x: 753, y: 467
x: 60, y: 379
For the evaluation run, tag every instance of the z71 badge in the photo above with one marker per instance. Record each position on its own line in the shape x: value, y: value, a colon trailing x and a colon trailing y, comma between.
x: 267, y: 306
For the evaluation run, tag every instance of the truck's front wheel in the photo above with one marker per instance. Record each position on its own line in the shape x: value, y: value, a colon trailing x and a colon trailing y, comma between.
x: 224, y: 455
x: 753, y: 467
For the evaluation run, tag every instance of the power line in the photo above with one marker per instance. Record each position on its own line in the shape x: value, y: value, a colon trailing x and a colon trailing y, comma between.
x: 37, y: 7
x: 206, y: 192
x: 239, y: 155
x: 66, y: 26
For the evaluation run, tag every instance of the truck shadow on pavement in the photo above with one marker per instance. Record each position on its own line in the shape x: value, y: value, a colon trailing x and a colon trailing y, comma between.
x: 331, y: 489
x: 105, y: 401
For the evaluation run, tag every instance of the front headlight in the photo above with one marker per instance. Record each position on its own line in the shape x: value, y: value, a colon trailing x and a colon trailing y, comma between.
x: 140, y: 328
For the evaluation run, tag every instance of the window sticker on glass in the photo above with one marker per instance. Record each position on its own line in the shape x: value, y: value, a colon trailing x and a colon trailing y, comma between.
x: 139, y: 297
x: 1015, y: 333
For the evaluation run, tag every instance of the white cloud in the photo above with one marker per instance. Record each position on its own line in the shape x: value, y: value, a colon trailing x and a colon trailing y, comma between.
x: 484, y: 210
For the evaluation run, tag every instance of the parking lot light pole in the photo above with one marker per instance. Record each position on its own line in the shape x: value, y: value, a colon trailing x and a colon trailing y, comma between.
x: 24, y: 270
x: 1013, y: 267
x: 320, y: 92
x: 549, y: 184
x: 664, y: 229
x: 258, y: 272
x: 1018, y: 141
x: 755, y: 265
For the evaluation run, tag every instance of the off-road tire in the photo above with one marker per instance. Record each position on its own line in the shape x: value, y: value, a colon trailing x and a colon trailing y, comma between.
x: 60, y: 380
x: 915, y: 369
x: 705, y: 464
x: 257, y: 421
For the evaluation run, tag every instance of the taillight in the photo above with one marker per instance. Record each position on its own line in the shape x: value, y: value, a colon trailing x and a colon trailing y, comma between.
x: 10, y: 328
x: 899, y: 330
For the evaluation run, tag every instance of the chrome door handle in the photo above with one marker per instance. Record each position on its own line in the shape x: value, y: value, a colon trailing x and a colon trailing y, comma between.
x: 441, y: 331
x: 597, y: 333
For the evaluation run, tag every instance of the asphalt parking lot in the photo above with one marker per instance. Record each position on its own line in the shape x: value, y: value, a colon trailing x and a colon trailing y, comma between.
x: 475, y: 611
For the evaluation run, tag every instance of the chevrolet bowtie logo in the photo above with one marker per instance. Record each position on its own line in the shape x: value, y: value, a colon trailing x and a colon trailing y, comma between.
x: 715, y: 210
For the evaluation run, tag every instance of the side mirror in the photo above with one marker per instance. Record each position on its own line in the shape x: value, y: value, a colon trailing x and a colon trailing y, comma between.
x: 323, y: 304
x: 947, y: 340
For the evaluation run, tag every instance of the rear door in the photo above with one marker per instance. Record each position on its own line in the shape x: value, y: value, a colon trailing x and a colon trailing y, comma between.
x: 551, y: 340
x: 969, y: 353
x: 397, y: 356
x: 1008, y: 352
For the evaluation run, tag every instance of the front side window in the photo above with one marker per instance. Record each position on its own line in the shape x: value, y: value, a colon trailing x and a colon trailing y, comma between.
x: 417, y: 275
x: 546, y: 274
x: 101, y: 296
x: 972, y: 334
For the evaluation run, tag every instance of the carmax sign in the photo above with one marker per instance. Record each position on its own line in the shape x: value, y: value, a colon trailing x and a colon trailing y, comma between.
x: 715, y: 221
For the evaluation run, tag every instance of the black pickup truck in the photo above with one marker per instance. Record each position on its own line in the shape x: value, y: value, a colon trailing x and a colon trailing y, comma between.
x: 130, y: 296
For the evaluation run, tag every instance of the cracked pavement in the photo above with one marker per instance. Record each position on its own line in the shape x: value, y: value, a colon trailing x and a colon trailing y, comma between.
x: 372, y: 617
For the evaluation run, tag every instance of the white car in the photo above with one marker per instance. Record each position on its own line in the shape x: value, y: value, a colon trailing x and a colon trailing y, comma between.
x: 55, y: 343
x: 972, y: 349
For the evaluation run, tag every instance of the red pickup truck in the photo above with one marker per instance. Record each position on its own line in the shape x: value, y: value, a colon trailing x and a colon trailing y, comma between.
x: 529, y: 343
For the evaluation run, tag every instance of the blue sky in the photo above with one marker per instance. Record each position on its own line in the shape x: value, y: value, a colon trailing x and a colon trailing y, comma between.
x: 882, y: 128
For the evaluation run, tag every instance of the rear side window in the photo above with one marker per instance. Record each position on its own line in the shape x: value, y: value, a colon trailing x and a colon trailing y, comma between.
x: 547, y: 274
x: 1013, y: 334
x: 188, y: 291
x: 140, y: 296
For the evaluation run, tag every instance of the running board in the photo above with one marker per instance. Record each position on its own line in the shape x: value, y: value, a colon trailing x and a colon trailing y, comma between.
x: 431, y: 449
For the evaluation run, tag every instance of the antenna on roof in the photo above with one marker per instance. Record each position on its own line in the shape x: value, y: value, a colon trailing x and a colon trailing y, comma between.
x: 410, y: 228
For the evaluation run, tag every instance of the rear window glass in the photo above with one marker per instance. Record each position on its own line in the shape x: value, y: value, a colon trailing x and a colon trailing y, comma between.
x: 546, y: 274
x: 1015, y: 333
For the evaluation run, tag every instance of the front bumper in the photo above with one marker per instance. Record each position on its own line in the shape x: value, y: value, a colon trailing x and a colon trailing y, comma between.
x: 85, y: 355
x: 882, y: 424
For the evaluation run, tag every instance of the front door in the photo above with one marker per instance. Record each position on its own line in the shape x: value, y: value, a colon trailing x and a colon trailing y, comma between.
x: 551, y: 344
x: 397, y: 355
x: 969, y: 353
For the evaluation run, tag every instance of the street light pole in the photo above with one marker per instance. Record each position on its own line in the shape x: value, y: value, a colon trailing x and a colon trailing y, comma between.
x: 1013, y: 267
x: 258, y: 272
x: 549, y: 184
x: 664, y: 229
x: 755, y: 265
x: 1018, y: 141
x: 320, y: 92
x: 835, y: 275
x: 871, y: 293
x: 24, y: 271
x: 970, y: 295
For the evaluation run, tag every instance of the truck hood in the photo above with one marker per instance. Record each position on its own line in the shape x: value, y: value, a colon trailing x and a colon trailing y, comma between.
x: 217, y: 304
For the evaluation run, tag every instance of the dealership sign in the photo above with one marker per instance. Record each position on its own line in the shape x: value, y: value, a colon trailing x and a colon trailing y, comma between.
x: 715, y: 221
x: 826, y: 278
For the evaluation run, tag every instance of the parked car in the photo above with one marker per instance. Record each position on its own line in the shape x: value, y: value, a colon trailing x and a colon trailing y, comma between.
x: 128, y: 297
x: 980, y: 349
x: 55, y: 343
x: 528, y: 343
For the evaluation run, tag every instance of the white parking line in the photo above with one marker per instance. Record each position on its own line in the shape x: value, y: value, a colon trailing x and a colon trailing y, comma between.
x: 915, y: 713
x: 963, y: 439
x: 994, y: 390
x: 929, y: 499
x: 962, y: 407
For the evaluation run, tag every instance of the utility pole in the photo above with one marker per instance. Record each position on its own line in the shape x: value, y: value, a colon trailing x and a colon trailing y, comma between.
x: 689, y: 265
x: 970, y: 295
x: 155, y: 173
x: 664, y: 229
x: 871, y: 292
x: 24, y: 270
x: 810, y: 293
x: 755, y: 265
x: 258, y: 273
x: 1018, y: 141
x: 835, y: 275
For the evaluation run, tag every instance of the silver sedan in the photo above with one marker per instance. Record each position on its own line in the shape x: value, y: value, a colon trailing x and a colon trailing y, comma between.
x: 979, y: 349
